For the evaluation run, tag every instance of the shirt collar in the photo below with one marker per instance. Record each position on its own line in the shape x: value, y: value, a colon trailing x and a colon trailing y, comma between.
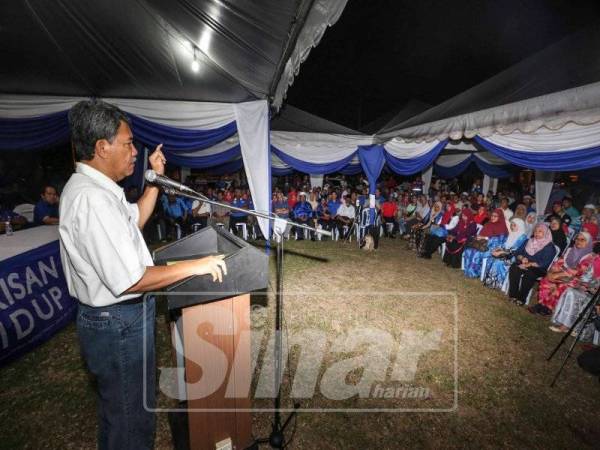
x: 100, y: 179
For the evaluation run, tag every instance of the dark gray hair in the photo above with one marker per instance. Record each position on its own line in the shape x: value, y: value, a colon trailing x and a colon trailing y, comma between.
x: 90, y: 121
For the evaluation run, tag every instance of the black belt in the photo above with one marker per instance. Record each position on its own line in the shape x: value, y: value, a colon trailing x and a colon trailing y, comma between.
x: 132, y: 301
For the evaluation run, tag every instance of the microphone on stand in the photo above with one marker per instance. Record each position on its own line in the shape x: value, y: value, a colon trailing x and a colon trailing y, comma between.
x: 154, y: 178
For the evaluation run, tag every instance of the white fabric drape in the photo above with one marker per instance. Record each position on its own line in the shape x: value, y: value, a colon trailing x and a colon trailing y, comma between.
x: 494, y: 185
x: 426, y: 177
x: 485, y: 185
x: 318, y: 148
x: 543, y: 188
x: 323, y: 14
x: 316, y: 181
x: 406, y: 150
x: 179, y: 114
x: 253, y: 128
x: 451, y: 160
x: 570, y: 137
x: 24, y: 106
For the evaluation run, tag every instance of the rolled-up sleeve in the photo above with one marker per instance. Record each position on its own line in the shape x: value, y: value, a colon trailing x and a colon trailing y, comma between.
x: 105, y: 241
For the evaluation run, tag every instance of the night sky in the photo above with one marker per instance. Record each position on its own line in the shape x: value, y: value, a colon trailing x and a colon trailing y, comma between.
x: 381, y: 54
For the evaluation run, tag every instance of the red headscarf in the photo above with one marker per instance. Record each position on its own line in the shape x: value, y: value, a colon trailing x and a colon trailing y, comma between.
x: 448, y: 214
x: 497, y: 228
x: 465, y: 228
x: 591, y: 228
x: 480, y: 216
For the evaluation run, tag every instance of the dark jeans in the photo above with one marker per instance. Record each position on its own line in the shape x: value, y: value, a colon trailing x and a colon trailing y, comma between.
x: 112, y: 340
x: 391, y: 220
x: 526, y: 277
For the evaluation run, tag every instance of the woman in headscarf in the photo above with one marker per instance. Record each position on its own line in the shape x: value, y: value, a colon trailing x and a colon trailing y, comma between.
x: 531, y: 262
x: 482, y: 215
x: 520, y: 211
x: 558, y: 235
x: 591, y: 226
x: 497, y: 268
x: 438, y: 231
x: 562, y: 273
x: 458, y: 237
x: 417, y: 235
x: 493, y: 234
x: 576, y: 297
x: 530, y: 223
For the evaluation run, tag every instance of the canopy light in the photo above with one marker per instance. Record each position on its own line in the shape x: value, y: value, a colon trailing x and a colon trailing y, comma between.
x: 195, y: 63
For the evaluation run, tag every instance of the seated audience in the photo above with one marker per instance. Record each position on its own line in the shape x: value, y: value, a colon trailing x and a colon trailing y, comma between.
x: 558, y: 234
x: 236, y: 217
x: 559, y: 212
x: 574, y: 299
x: 439, y: 231
x: 345, y: 217
x: 563, y: 273
x: 508, y: 213
x: 418, y: 231
x: 323, y: 217
x: 220, y: 214
x: 492, y: 235
x: 520, y: 211
x: 569, y: 209
x: 482, y: 215
x: 502, y: 257
x: 420, y: 216
x: 46, y: 209
x: 531, y: 262
x: 458, y: 237
x: 176, y: 213
x: 280, y: 207
x: 389, y: 209
x: 200, y: 213
x: 303, y: 214
x: 530, y: 222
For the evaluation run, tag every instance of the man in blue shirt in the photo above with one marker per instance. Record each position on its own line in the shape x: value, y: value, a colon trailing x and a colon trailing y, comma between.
x: 236, y: 216
x: 303, y: 213
x: 333, y: 204
x: 46, y: 210
x: 280, y: 206
x: 176, y: 213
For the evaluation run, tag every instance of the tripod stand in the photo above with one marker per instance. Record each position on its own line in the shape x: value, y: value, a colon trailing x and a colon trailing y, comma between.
x: 277, y: 438
x: 584, y: 316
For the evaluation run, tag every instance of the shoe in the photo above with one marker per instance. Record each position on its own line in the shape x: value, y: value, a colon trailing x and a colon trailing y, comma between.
x: 532, y: 309
x: 519, y: 302
x: 556, y: 329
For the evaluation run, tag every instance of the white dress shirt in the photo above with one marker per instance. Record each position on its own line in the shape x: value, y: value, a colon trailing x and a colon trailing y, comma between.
x: 102, y: 250
x: 346, y: 211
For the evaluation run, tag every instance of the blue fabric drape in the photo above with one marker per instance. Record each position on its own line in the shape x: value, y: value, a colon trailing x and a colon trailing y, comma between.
x: 488, y: 169
x: 452, y: 171
x: 34, y: 133
x: 492, y: 170
x: 197, y: 161
x: 403, y: 166
x: 549, y: 161
x: 178, y: 140
x: 228, y: 167
x: 351, y: 169
x: 312, y: 168
x: 278, y: 172
x: 372, y: 160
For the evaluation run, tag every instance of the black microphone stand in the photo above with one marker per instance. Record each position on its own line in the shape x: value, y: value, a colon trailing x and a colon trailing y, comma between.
x: 585, y: 316
x: 277, y: 438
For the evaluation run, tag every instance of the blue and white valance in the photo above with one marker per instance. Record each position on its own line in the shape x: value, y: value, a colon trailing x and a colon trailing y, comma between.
x: 450, y: 166
x: 572, y: 147
x: 406, y: 158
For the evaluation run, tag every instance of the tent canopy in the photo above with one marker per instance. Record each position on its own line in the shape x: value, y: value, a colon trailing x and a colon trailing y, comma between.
x: 558, y: 85
x: 246, y: 50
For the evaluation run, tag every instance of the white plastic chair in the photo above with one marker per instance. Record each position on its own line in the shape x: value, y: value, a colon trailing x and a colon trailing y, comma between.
x: 25, y: 210
x: 242, y: 226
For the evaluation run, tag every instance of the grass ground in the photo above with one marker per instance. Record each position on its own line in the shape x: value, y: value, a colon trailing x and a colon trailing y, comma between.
x: 389, y: 299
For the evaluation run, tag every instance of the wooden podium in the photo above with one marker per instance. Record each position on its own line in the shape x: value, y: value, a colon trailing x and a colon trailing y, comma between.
x: 211, y: 335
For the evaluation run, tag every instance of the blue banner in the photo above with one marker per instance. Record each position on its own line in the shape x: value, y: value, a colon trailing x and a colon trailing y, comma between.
x: 34, y: 300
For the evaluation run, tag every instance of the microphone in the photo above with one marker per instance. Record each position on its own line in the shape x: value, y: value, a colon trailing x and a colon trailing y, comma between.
x: 152, y: 177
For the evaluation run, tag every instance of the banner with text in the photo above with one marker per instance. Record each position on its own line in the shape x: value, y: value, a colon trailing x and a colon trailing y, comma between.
x: 34, y: 300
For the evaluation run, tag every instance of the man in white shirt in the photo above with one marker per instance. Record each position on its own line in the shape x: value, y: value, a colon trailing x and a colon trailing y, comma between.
x: 345, y: 216
x: 108, y: 266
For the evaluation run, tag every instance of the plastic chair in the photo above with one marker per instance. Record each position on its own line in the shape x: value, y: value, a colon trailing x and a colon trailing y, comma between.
x: 244, y: 228
x: 25, y: 210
